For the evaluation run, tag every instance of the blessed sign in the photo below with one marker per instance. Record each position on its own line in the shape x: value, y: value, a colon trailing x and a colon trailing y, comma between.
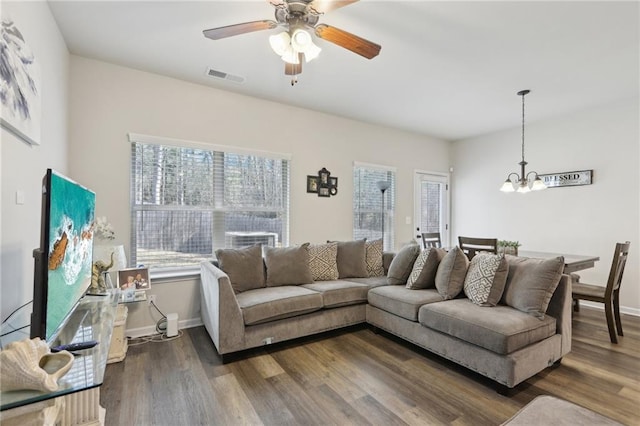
x: 582, y: 177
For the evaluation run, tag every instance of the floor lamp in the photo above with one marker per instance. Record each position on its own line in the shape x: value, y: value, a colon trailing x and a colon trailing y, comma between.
x: 383, y: 185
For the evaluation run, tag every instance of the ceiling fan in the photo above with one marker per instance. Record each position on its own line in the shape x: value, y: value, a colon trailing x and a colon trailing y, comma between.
x: 297, y: 18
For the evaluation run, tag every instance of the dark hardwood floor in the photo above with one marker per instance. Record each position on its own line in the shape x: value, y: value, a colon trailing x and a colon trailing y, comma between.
x: 355, y: 376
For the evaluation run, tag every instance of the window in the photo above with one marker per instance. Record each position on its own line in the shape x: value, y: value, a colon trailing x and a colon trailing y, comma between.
x: 368, y: 203
x: 187, y: 202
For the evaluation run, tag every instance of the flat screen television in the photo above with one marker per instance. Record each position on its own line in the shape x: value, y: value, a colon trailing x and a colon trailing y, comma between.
x: 63, y: 262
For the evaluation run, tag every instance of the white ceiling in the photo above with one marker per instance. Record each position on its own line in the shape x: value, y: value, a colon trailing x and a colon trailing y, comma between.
x: 446, y: 69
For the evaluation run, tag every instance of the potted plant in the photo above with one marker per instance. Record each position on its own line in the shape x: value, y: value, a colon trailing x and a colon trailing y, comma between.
x: 508, y: 247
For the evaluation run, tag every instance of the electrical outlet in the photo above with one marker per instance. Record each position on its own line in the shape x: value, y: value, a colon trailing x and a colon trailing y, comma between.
x: 151, y: 298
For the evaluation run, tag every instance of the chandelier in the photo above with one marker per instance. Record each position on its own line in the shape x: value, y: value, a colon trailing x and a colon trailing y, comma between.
x: 523, y: 182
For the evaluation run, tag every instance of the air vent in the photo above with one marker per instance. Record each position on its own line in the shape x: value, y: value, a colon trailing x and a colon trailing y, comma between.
x: 224, y: 76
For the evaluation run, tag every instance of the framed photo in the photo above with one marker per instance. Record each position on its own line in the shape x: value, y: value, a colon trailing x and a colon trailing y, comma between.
x: 333, y: 182
x: 312, y: 184
x: 134, y: 278
x: 324, y: 176
x: 323, y: 191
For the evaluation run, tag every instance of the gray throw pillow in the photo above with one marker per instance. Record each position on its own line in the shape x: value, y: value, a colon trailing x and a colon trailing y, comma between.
x: 402, y: 264
x: 423, y: 274
x: 323, y: 261
x: 451, y: 273
x: 486, y: 278
x: 352, y: 259
x: 244, y: 267
x: 531, y: 283
x: 287, y: 265
x: 373, y: 254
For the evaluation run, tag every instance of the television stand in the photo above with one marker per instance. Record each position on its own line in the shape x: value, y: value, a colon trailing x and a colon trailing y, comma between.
x: 77, y: 401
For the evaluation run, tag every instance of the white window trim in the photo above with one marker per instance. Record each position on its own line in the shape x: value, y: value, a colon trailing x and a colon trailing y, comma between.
x: 184, y: 143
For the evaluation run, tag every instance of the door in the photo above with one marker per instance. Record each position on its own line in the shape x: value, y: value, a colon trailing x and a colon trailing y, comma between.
x: 431, y: 203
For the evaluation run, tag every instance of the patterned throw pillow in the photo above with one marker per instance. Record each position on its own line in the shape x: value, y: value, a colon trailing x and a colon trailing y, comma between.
x: 423, y: 274
x: 322, y: 261
x: 373, y: 255
x: 486, y: 278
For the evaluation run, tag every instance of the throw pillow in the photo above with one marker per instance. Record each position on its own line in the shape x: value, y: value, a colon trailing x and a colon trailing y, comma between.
x: 423, y: 274
x: 486, y: 278
x: 531, y: 283
x: 287, y: 265
x: 451, y: 273
x: 323, y: 261
x: 373, y: 255
x: 402, y: 263
x: 352, y: 259
x: 244, y: 267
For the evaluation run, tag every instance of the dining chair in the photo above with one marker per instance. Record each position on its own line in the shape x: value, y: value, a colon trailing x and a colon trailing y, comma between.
x: 609, y: 295
x: 470, y: 246
x: 431, y: 239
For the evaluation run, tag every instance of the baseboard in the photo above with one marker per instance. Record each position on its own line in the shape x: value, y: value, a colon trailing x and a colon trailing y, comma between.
x: 149, y: 330
x: 623, y: 309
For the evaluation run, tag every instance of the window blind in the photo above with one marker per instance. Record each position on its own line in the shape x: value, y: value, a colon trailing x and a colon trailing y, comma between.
x: 187, y: 202
x: 367, y: 203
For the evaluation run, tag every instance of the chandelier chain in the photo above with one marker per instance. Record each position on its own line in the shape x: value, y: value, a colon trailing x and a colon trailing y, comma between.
x: 523, y: 126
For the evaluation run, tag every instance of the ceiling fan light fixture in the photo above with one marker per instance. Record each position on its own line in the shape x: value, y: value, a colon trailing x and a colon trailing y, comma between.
x: 280, y: 42
x: 312, y: 52
x: 291, y: 56
x: 301, y: 40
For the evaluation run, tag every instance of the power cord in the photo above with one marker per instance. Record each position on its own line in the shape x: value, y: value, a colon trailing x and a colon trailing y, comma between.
x: 161, y: 332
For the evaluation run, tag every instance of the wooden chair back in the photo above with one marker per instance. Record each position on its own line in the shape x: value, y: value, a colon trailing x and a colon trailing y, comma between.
x: 617, y: 268
x: 470, y: 246
x: 431, y: 239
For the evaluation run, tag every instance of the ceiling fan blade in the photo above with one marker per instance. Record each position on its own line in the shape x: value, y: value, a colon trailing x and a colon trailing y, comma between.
x: 349, y: 41
x: 324, y: 6
x: 294, y: 69
x: 237, y: 29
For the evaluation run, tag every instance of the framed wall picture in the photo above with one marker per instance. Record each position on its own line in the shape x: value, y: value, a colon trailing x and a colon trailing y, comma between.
x: 333, y: 182
x: 323, y: 191
x: 21, y: 85
x: 324, y: 176
x: 134, y: 278
x: 312, y: 184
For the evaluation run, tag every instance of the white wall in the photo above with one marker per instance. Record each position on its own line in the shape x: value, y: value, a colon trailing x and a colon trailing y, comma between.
x: 23, y: 166
x: 109, y: 101
x: 577, y: 220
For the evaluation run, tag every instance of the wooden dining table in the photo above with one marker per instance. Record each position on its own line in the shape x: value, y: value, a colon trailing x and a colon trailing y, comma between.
x: 572, y: 262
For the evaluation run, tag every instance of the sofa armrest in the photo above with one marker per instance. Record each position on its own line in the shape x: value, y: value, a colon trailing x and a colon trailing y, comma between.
x: 387, y: 257
x: 560, y: 309
x: 220, y: 311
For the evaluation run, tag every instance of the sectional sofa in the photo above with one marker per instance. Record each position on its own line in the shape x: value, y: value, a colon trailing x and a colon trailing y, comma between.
x: 504, y: 317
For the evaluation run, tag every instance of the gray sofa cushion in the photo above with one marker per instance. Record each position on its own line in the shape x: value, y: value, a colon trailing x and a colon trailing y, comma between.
x: 287, y: 265
x: 402, y: 301
x: 323, y: 261
x: 486, y: 278
x: 451, y: 272
x: 273, y: 303
x: 402, y: 263
x: 423, y: 274
x: 500, y: 329
x: 531, y: 283
x: 373, y: 258
x: 244, y: 267
x: 352, y: 259
x: 340, y: 292
x: 371, y: 282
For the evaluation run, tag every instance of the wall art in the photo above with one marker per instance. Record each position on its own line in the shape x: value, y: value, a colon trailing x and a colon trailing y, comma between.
x: 20, y: 85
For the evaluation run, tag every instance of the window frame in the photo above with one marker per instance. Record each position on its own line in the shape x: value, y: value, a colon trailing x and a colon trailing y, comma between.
x: 389, y: 205
x: 217, y: 204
